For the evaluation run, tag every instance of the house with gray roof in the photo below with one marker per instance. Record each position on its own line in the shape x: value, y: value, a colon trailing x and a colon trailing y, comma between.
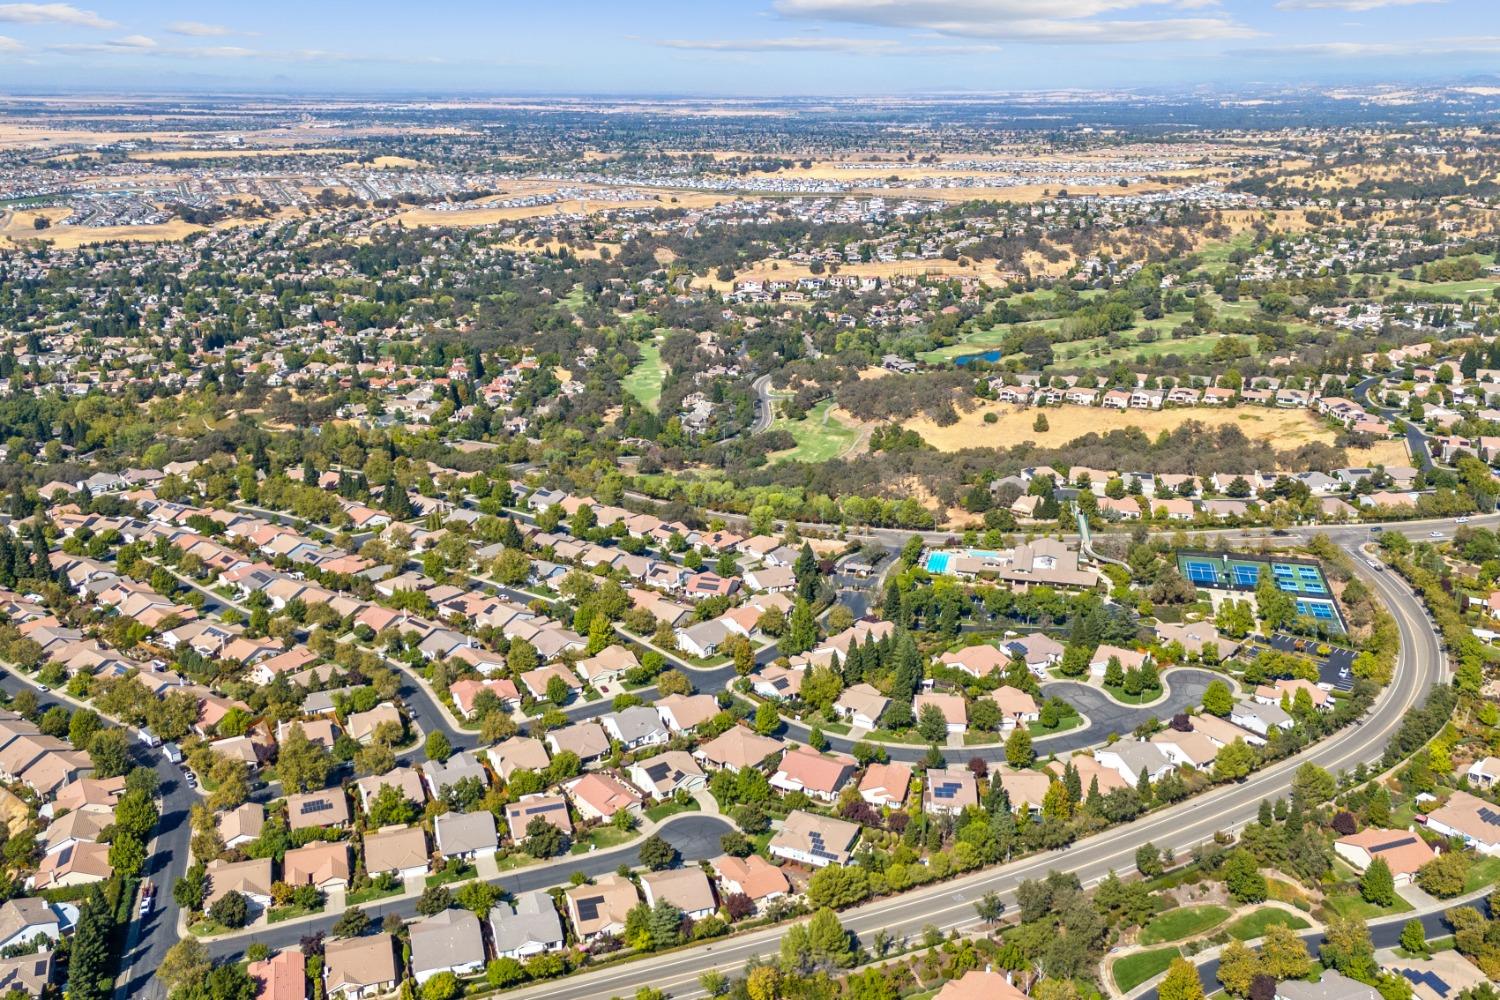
x: 466, y: 835
x: 1332, y: 986
x: 638, y: 726
x: 450, y: 941
x: 528, y: 928
x: 1131, y: 758
x: 441, y: 774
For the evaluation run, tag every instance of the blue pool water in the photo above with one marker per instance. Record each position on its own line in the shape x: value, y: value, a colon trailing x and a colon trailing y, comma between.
x: 937, y: 562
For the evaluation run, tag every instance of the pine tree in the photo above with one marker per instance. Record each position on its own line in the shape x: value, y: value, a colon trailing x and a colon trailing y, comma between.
x: 89, y: 967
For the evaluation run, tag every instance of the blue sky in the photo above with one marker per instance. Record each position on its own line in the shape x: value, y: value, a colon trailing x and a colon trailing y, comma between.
x: 737, y: 47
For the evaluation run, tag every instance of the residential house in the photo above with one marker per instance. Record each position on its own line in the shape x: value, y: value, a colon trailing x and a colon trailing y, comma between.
x: 447, y: 941
x: 1403, y: 851
x: 466, y: 835
x: 399, y: 850
x: 321, y: 864
x: 360, y: 967
x: 814, y: 840
x: 529, y: 927
x: 752, y: 877
x: 600, y: 908
x: 817, y: 775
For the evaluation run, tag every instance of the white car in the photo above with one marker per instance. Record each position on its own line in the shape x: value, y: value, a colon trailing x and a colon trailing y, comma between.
x: 1435, y: 534
x: 1464, y: 519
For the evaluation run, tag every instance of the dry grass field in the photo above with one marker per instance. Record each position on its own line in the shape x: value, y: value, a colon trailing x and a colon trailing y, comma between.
x: 1286, y: 429
x: 788, y: 271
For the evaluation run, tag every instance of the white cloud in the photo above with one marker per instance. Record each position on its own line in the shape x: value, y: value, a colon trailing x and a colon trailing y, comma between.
x: 52, y: 13
x: 10, y: 45
x: 1470, y: 45
x: 860, y: 46
x: 1348, y: 5
x: 197, y: 29
x: 1059, y: 21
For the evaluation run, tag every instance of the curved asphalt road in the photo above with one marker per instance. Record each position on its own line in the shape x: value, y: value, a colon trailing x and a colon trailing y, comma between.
x: 951, y: 904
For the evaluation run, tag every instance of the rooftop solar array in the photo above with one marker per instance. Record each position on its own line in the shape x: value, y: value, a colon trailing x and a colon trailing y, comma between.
x: 316, y: 806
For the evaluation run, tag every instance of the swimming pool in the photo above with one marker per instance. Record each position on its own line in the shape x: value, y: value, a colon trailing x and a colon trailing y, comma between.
x: 937, y: 562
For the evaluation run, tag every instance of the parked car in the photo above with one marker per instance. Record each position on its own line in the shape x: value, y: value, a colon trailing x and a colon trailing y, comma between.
x: 148, y: 897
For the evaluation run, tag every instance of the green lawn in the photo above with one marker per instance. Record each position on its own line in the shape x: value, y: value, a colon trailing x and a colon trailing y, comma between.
x: 645, y: 379
x: 1132, y: 970
x: 1118, y: 694
x: 1350, y: 905
x: 602, y: 838
x: 1483, y: 872
x: 279, y: 913
x: 445, y: 877
x: 369, y: 895
x: 1184, y: 922
x: 1255, y: 924
x: 819, y: 435
x: 659, y: 812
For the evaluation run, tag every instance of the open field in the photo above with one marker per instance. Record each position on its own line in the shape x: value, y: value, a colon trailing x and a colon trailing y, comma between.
x: 1286, y: 429
x: 821, y: 435
x: 787, y: 271
x: 645, y: 379
x: 19, y: 228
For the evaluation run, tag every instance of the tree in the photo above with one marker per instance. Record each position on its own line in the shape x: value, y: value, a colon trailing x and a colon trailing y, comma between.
x: 1444, y: 875
x: 1018, y: 751
x: 127, y: 855
x: 443, y: 986
x: 301, y: 764
x: 1234, y: 761
x: 390, y: 807
x: 1181, y: 982
x: 438, y: 747
x: 1312, y: 784
x: 1243, y: 878
x: 110, y: 751
x: 767, y: 719
x: 543, y: 840
x: 91, y: 961
x: 1148, y: 860
x: 657, y: 854
x: 503, y: 972
x: 1283, y: 955
x: 830, y: 945
x: 185, y: 962
x: 1237, y: 967
x: 1413, y: 937
x: 932, y: 724
x: 230, y: 910
x: 190, y: 890
x: 434, y: 900
x: 353, y: 923
x: 836, y: 887
x: 1376, y: 885
x: 1217, y: 700
x: 989, y: 907
x: 1347, y: 948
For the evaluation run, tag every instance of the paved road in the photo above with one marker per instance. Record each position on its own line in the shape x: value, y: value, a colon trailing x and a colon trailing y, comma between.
x: 695, y: 835
x: 762, y: 389
x: 1416, y: 439
x: 146, y: 940
x: 950, y: 905
x: 1384, y: 934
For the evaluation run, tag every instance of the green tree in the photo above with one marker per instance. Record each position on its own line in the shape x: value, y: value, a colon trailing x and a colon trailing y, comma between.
x: 1243, y: 878
x: 932, y: 724
x: 443, y: 986
x: 656, y: 853
x: 1376, y: 885
x: 301, y: 764
x: 351, y: 924
x: 543, y: 840
x: 830, y: 945
x: 1413, y: 937
x: 1347, y: 948
x: 110, y: 751
x: 434, y: 899
x: 230, y: 910
x: 1234, y: 761
x: 1217, y: 700
x: 1018, y: 751
x: 1444, y: 875
x: 185, y: 962
x: 503, y: 972
x: 1181, y: 982
x: 438, y: 747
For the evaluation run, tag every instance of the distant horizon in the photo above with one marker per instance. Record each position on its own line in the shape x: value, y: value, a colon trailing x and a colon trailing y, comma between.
x: 737, y: 48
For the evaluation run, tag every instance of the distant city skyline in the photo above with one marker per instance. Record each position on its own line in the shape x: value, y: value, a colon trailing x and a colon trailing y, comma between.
x: 751, y: 48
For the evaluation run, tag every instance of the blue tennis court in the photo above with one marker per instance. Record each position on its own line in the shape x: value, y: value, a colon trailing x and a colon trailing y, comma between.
x: 1201, y: 571
x: 1245, y: 576
x: 1320, y: 610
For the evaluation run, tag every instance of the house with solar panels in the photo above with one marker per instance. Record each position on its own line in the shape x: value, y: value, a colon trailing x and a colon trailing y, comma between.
x: 1471, y: 819
x: 950, y: 791
x: 818, y: 841
x: 601, y: 908
x: 325, y: 810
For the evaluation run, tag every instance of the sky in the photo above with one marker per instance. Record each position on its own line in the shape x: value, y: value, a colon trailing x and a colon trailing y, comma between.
x: 752, y: 48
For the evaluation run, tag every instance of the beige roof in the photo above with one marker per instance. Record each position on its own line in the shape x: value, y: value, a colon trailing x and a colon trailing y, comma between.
x: 362, y: 725
x: 316, y: 863
x: 1404, y: 852
x: 979, y: 984
x: 739, y: 747
x: 408, y: 780
x: 755, y: 876
x: 594, y: 908
x: 802, y: 828
x: 1025, y: 787
x: 519, y: 753
x: 359, y: 962
x: 1013, y: 702
x: 552, y: 808
x: 688, y: 710
x: 245, y: 820
x: 685, y: 888
x: 1471, y: 816
x: 395, y: 848
x: 329, y: 807
x: 248, y: 878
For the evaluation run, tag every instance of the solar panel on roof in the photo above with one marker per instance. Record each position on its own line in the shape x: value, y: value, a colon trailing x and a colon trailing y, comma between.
x: 1398, y: 842
x: 316, y: 806
x: 588, y: 909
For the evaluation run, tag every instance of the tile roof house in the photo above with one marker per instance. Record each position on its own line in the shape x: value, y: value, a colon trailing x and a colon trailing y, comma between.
x: 400, y: 850
x: 1470, y: 818
x: 251, y: 879
x: 818, y: 775
x: 601, y: 908
x: 519, y: 753
x: 662, y: 775
x: 587, y: 739
x: 28, y: 919
x: 447, y: 774
x: 406, y: 780
x: 326, y: 809
x: 283, y: 976
x: 598, y: 795
x: 361, y: 967
x: 753, y: 877
x: 685, y: 712
x: 814, y: 840
x: 78, y: 864
x: 552, y: 808
x: 862, y: 705
x: 1129, y: 758
x: 950, y: 791
x: 1403, y: 851
x: 321, y: 864
x: 241, y: 824
x: 886, y: 784
x: 687, y: 889
x: 635, y: 727
x: 952, y: 706
x: 979, y: 984
x: 737, y: 748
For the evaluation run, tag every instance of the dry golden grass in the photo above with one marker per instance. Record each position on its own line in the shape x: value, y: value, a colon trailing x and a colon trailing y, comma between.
x: 13, y: 811
x: 886, y: 270
x: 1286, y: 429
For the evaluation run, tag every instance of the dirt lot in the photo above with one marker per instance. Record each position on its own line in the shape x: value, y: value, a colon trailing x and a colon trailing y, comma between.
x: 1286, y: 429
